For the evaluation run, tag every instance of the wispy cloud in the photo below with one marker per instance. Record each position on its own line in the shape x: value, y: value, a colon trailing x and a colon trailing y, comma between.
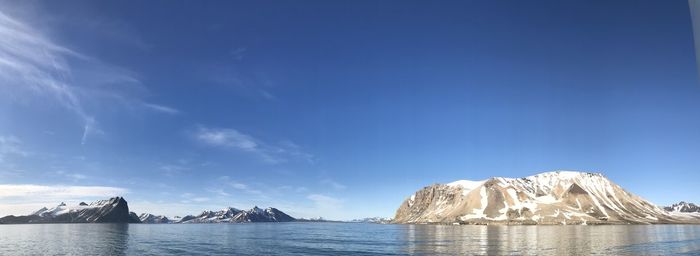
x: 238, y: 53
x: 335, y: 185
x: 161, y: 108
x: 218, y: 191
x: 234, y: 139
x: 240, y: 77
x: 228, y: 181
x: 53, y: 192
x: 10, y: 145
x: 172, y: 170
x: 324, y: 202
x: 190, y: 198
x: 28, y: 58
x: 32, y: 64
x: 71, y: 175
x: 227, y: 138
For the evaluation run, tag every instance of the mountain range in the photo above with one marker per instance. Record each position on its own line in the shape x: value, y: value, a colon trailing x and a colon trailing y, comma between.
x: 376, y: 220
x: 560, y: 197
x: 103, y: 211
x: 116, y: 210
x: 232, y: 215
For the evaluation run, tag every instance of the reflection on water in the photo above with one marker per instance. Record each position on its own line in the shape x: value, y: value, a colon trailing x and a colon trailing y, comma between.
x: 554, y: 240
x: 64, y: 239
x: 345, y: 239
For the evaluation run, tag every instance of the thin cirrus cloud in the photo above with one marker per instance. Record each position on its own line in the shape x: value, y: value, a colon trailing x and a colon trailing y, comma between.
x: 33, y: 65
x: 324, y: 202
x: 192, y: 198
x: 44, y: 192
x: 10, y: 146
x: 161, y: 108
x: 234, y: 139
x: 335, y: 185
x: 226, y: 180
x: 10, y: 149
x: 30, y: 60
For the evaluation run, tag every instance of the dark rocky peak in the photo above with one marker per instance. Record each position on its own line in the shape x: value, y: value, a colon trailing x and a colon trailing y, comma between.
x: 683, y: 206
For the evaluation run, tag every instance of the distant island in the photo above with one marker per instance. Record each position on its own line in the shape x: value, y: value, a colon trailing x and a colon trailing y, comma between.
x: 555, y: 198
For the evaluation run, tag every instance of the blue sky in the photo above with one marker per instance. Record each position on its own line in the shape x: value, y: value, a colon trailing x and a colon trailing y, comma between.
x: 338, y: 109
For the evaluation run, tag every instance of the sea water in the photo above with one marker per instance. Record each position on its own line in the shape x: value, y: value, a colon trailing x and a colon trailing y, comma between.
x: 346, y: 239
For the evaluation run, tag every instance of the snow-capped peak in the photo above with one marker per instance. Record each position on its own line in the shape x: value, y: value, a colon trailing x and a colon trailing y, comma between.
x: 683, y: 206
x: 40, y: 211
x: 466, y: 184
x: 565, y: 175
x: 549, y: 197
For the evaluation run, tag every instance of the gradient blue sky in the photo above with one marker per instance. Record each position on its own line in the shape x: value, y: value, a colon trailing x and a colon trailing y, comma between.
x: 338, y: 109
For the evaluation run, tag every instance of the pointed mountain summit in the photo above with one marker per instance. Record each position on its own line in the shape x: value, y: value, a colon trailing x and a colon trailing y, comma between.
x: 148, y: 218
x: 684, y: 207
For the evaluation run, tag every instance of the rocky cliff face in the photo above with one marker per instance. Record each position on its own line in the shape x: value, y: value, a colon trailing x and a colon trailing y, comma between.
x: 561, y: 197
x: 113, y: 210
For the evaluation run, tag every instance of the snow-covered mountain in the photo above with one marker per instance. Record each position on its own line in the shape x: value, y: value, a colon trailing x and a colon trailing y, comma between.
x: 148, y: 218
x: 378, y: 220
x: 561, y: 197
x: 224, y: 215
x: 683, y: 207
x: 111, y: 210
x: 233, y: 215
x: 116, y: 210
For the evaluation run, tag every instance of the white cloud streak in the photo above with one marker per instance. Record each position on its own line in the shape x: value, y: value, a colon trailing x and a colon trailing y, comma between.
x: 234, y: 139
x: 10, y: 145
x: 32, y: 63
x: 335, y: 185
x: 29, y: 59
x: 324, y: 202
x: 227, y: 138
x: 43, y: 192
x: 226, y: 180
x: 161, y: 108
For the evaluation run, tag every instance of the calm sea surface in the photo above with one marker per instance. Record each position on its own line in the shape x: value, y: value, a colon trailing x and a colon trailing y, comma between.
x: 345, y: 239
